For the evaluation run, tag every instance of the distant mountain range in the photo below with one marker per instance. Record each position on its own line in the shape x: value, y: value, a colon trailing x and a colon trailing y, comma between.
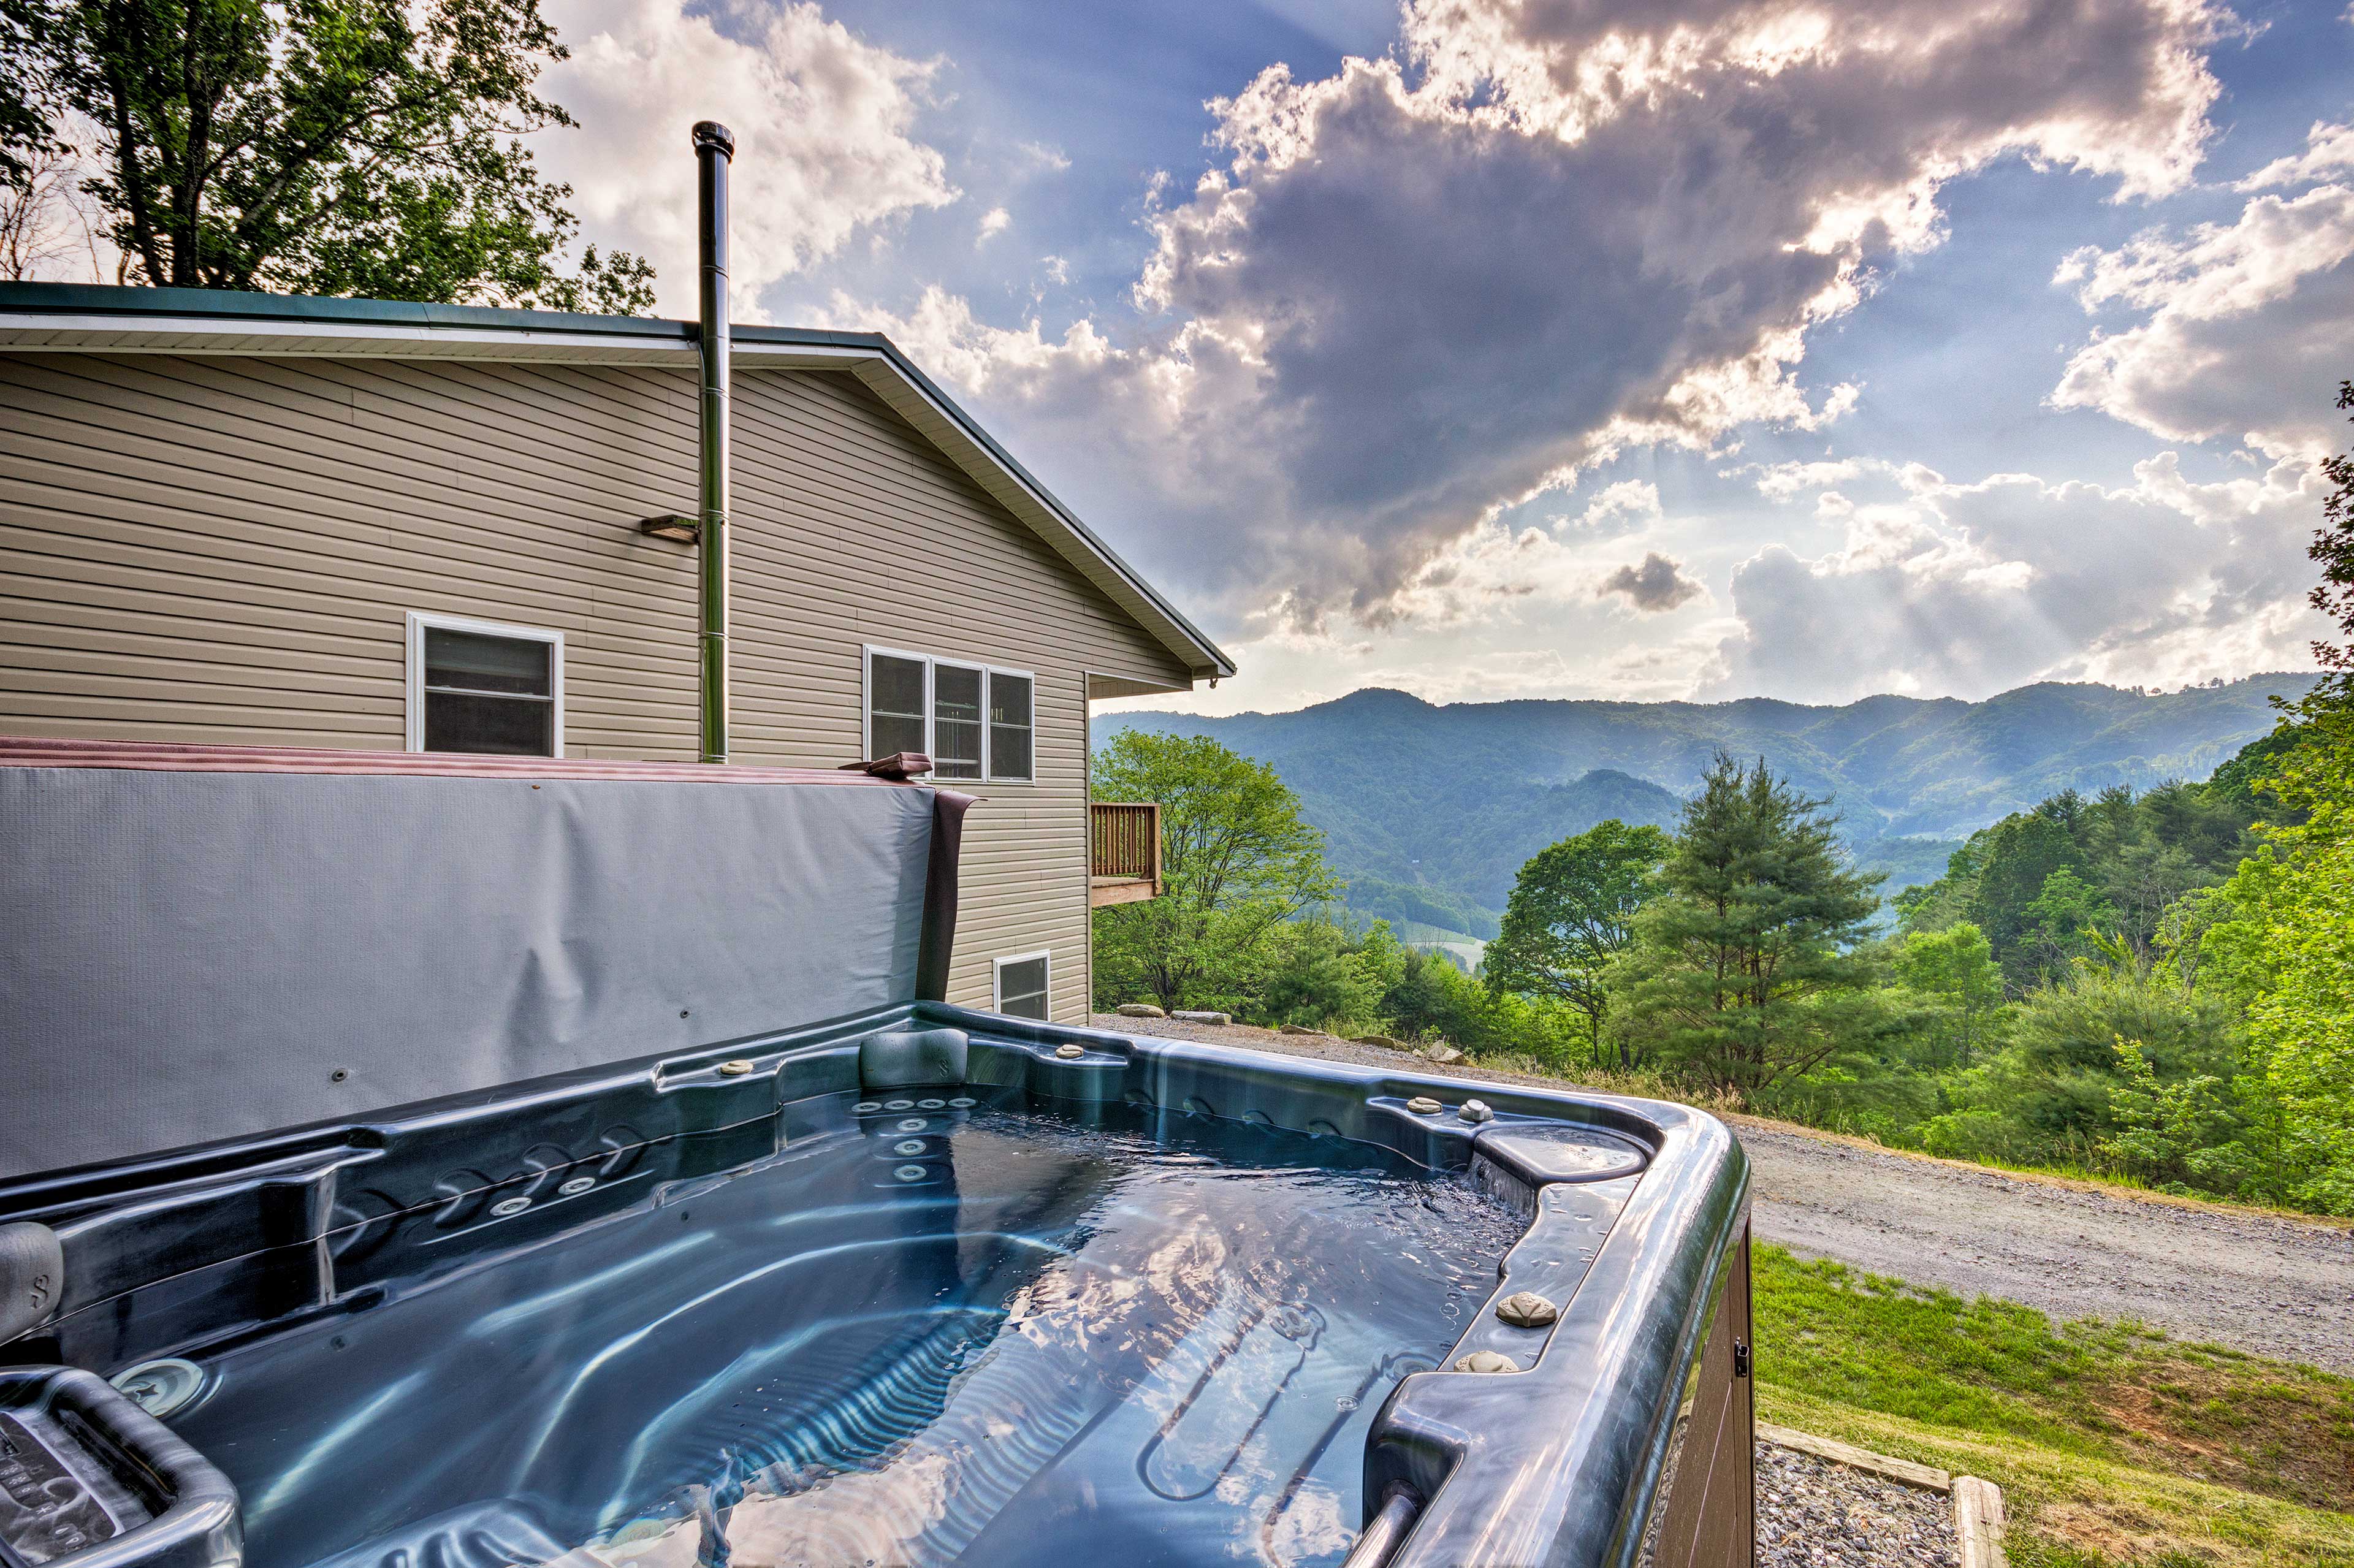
x: 1431, y: 810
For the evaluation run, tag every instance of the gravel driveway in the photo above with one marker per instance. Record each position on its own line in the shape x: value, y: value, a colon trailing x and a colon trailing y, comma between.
x: 2276, y: 1286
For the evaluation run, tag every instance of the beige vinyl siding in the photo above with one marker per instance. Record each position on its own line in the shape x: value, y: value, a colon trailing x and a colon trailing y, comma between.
x: 224, y: 549
x: 850, y: 531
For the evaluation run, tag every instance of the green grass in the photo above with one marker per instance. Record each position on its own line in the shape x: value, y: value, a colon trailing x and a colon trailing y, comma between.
x: 2115, y: 1445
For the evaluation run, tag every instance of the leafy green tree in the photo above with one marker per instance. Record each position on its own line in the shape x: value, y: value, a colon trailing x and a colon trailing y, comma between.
x: 1749, y: 969
x: 1320, y: 976
x: 1236, y: 862
x: 1572, y: 912
x: 2177, y: 1133
x: 2282, y: 944
x: 324, y: 147
x: 2063, y: 920
x: 2019, y: 856
x: 1959, y: 985
x: 2282, y: 941
x: 1433, y: 998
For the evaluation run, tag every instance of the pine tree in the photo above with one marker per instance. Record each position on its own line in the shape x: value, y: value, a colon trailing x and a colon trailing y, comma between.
x: 1751, y: 969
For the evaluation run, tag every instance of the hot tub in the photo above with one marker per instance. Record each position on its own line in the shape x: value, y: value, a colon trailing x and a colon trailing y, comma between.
x: 908, y: 1284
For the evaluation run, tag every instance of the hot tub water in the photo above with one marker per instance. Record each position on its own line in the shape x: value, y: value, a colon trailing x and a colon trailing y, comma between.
x: 937, y: 1332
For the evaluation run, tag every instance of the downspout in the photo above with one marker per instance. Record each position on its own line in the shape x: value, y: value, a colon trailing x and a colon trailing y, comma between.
x: 714, y: 145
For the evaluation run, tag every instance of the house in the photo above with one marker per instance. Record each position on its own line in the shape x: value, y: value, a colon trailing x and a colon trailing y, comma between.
x: 251, y: 519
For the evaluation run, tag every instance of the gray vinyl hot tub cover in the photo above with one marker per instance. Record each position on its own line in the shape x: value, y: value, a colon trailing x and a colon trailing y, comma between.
x: 196, y: 949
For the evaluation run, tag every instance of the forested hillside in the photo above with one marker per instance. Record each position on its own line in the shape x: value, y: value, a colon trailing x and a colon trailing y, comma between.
x: 1431, y: 810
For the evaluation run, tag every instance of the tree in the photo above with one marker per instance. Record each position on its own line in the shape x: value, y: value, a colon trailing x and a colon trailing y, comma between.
x: 321, y: 146
x: 45, y: 215
x: 2176, y: 1133
x: 2245, y: 783
x: 28, y: 107
x: 1954, y: 974
x: 2021, y: 855
x: 2284, y: 940
x: 2060, y: 1076
x: 1572, y: 912
x: 2063, y: 920
x: 1320, y: 974
x: 1236, y: 862
x: 2282, y: 944
x: 1749, y: 971
x: 2333, y: 551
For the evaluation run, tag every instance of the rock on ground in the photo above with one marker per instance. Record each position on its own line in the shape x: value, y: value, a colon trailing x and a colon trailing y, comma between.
x: 1812, y: 1513
x: 2271, y: 1284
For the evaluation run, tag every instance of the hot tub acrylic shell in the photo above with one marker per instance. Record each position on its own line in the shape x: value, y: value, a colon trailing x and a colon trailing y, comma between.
x: 1621, y: 1437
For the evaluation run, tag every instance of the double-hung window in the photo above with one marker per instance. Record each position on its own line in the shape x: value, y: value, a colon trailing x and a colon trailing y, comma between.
x: 474, y: 685
x: 974, y: 721
x: 1020, y: 985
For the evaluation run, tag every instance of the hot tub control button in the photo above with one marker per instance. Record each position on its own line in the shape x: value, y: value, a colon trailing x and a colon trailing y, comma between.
x: 1422, y: 1105
x: 735, y: 1067
x: 1487, y: 1361
x: 1476, y: 1111
x: 1527, y: 1309
x: 1070, y: 1053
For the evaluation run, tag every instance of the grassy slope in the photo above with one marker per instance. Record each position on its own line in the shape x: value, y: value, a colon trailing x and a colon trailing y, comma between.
x: 2112, y: 1444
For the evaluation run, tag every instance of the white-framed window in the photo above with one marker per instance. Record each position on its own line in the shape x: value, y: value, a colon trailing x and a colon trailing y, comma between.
x: 974, y: 721
x: 477, y: 685
x: 1018, y: 985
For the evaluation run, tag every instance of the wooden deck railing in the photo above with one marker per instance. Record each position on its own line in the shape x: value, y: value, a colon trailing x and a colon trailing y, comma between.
x: 1123, y: 851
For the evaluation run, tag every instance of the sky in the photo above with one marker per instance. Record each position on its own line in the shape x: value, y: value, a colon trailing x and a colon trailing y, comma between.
x: 1494, y: 349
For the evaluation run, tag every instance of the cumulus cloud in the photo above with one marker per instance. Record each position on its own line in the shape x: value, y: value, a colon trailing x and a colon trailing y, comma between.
x: 2243, y: 324
x: 1617, y: 508
x: 1781, y: 480
x: 824, y: 126
x: 1656, y: 585
x: 1971, y: 589
x: 993, y: 222
x: 2329, y: 150
x: 1432, y: 286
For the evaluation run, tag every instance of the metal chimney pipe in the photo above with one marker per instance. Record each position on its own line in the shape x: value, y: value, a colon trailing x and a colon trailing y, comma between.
x: 715, y: 146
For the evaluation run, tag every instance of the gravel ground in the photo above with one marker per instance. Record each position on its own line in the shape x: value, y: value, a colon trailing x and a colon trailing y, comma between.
x: 1812, y: 1513
x: 2276, y: 1286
